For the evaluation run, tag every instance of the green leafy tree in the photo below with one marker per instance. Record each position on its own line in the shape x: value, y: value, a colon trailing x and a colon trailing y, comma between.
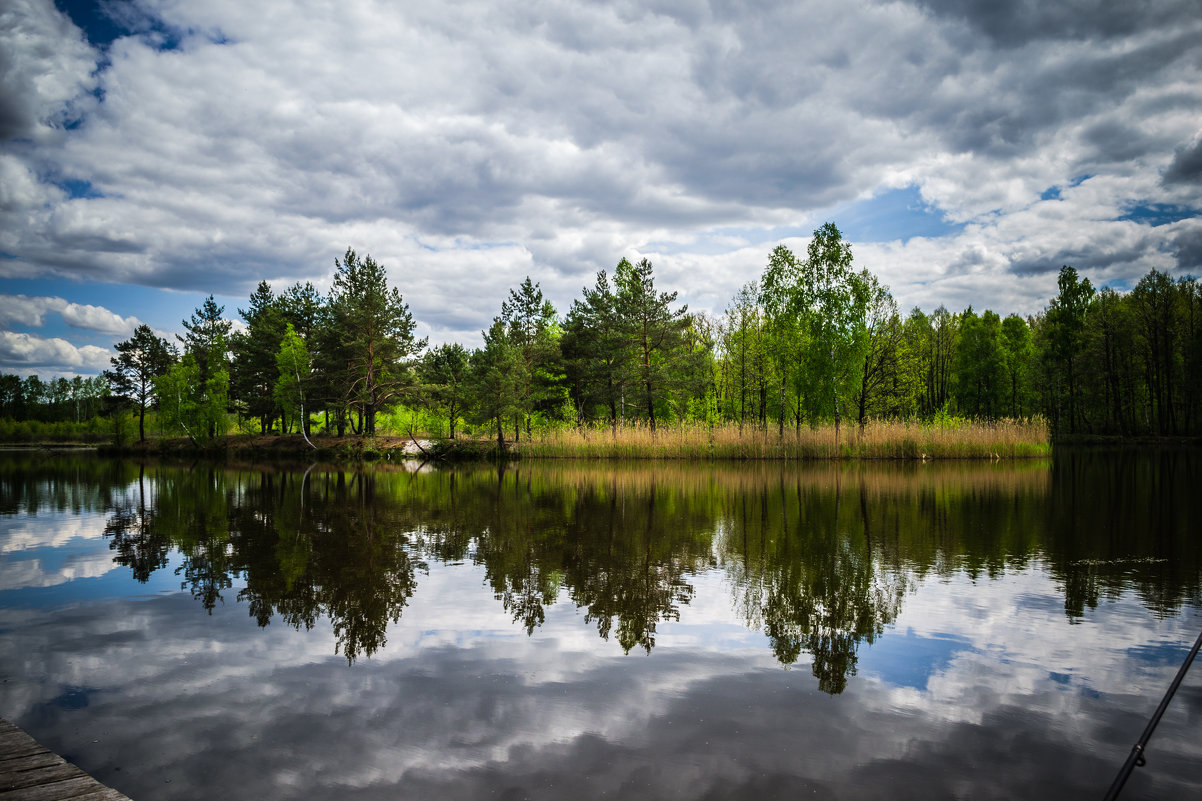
x: 139, y: 360
x: 785, y: 335
x: 494, y: 380
x: 878, y: 384
x: 1155, y: 304
x: 595, y: 351
x: 292, y: 371
x: 532, y: 329
x: 654, y: 331
x: 193, y: 404
x: 373, y: 333
x: 828, y: 299
x: 444, y: 373
x: 1066, y: 328
x: 979, y: 370
x: 253, y: 370
x: 1017, y: 354
x: 207, y: 341
x: 744, y: 347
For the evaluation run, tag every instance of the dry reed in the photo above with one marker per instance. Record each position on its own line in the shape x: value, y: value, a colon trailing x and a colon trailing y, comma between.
x: 1001, y: 439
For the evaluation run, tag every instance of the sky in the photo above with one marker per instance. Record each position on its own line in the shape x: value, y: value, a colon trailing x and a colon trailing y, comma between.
x: 154, y: 152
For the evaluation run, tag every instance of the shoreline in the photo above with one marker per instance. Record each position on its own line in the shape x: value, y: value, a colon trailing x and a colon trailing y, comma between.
x: 604, y: 446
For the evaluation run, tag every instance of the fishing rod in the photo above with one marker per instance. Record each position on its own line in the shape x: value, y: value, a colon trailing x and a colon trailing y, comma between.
x: 1137, y: 759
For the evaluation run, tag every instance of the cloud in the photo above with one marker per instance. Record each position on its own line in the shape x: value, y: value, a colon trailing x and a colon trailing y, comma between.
x: 46, y: 70
x: 468, y: 146
x: 50, y: 355
x: 28, y: 311
x: 1186, y: 166
x: 464, y: 706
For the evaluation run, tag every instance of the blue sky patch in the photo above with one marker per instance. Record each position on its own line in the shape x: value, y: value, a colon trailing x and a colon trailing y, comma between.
x: 1159, y: 654
x: 77, y: 188
x: 1157, y: 214
x: 117, y: 582
x: 100, y: 28
x: 161, y: 309
x: 1053, y: 192
x: 896, y: 214
x: 909, y: 659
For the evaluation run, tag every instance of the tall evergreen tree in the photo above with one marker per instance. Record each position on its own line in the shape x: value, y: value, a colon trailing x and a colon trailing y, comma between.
x: 374, y: 331
x: 596, y: 351
x: 207, y: 337
x: 139, y: 360
x: 444, y: 375
x: 1066, y: 327
x: 494, y: 379
x: 654, y: 330
x: 530, y: 320
x: 207, y: 341
x: 254, y: 370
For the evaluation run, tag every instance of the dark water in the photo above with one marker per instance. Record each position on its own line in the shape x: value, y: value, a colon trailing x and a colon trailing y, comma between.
x: 601, y: 631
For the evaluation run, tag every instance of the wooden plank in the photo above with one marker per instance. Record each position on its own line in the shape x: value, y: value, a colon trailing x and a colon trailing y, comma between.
x: 31, y: 772
x: 18, y: 742
x: 48, y: 774
x: 56, y: 791
x: 42, y: 759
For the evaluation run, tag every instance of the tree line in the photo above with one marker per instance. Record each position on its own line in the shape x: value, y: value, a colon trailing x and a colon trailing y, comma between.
x: 811, y: 340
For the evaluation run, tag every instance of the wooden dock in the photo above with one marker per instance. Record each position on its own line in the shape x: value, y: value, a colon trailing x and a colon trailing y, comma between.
x: 32, y: 772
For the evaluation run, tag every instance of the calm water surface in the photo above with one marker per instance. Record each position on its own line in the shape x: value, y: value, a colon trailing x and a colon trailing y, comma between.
x: 605, y: 631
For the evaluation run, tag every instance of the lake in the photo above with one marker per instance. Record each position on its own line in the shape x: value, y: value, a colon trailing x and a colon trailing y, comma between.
x: 650, y: 631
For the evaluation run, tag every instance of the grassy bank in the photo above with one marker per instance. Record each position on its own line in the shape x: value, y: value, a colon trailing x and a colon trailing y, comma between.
x: 954, y: 439
x: 1003, y: 439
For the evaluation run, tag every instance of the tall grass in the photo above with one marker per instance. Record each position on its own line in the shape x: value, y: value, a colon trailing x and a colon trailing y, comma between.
x: 98, y: 429
x: 954, y: 439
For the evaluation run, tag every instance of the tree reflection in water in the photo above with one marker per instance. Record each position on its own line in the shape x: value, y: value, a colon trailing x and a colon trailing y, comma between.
x: 819, y: 558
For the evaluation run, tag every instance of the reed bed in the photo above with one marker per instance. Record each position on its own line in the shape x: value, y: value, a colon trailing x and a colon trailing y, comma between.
x: 877, y: 479
x: 885, y: 439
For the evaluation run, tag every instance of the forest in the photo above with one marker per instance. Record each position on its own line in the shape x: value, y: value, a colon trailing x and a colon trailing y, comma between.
x: 812, y: 341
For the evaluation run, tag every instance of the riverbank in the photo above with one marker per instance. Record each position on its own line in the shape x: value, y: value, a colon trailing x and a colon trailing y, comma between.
x: 1007, y: 439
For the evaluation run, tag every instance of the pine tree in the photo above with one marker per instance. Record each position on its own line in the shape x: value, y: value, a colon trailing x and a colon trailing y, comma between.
x: 373, y: 329
x: 139, y: 360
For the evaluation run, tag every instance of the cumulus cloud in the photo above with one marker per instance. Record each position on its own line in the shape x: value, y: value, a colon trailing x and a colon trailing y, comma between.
x: 29, y: 311
x: 1186, y: 166
x: 53, y: 354
x: 45, y: 70
x: 467, y: 146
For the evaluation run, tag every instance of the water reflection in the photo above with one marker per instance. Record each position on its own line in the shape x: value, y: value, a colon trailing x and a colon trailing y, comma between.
x: 971, y: 630
x: 819, y: 558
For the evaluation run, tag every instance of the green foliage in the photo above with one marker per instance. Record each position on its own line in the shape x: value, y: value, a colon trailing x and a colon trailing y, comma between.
x: 495, y: 383
x: 292, y: 373
x: 369, y: 339
x: 813, y: 341
x: 532, y: 329
x: 979, y: 366
x: 444, y: 373
x: 597, y: 360
x: 192, y: 404
x: 828, y: 300
x: 254, y: 371
x: 1018, y: 361
x: 654, y: 332
x: 139, y: 360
